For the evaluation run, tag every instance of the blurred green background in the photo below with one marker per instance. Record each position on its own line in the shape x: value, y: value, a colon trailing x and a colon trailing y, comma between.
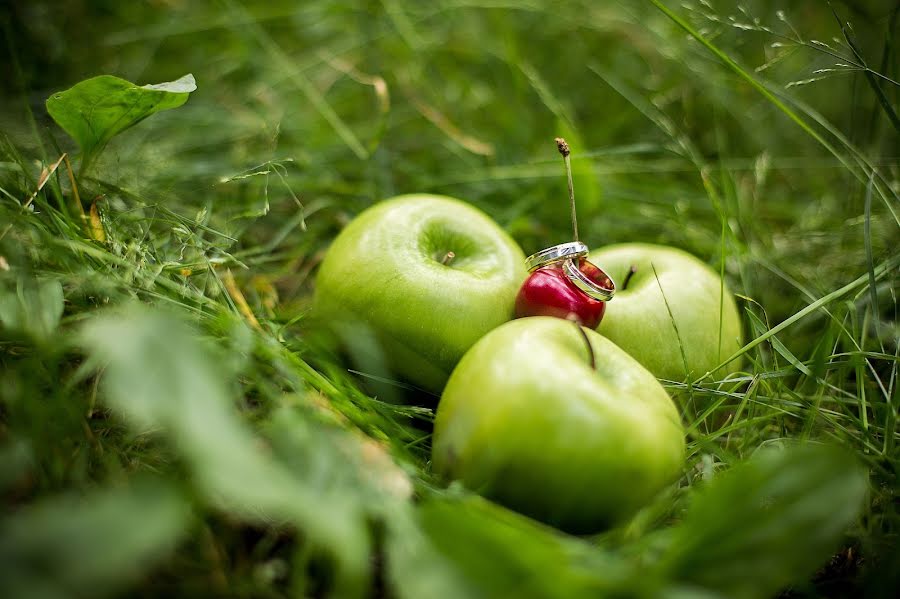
x: 779, y: 163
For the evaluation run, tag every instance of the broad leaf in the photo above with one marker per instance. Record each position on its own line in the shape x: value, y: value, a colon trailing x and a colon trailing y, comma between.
x: 33, y: 307
x: 159, y: 376
x: 89, y: 545
x: 480, y: 549
x: 94, y: 111
x: 767, y: 523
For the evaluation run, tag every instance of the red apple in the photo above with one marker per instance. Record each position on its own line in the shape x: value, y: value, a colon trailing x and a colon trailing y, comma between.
x: 549, y: 291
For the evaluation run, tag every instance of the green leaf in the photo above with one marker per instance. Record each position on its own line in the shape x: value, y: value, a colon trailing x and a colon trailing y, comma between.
x: 159, y: 376
x: 768, y: 522
x: 33, y: 307
x: 96, y: 110
x: 16, y: 460
x: 479, y: 549
x: 89, y: 545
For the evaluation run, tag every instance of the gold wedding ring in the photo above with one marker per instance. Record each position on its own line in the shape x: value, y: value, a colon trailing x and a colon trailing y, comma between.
x: 592, y: 289
x: 557, y: 253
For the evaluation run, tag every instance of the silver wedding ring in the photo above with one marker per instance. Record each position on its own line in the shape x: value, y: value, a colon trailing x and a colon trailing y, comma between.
x: 592, y: 289
x: 557, y: 253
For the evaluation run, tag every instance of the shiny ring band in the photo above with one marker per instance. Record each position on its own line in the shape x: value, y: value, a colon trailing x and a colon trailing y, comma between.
x: 592, y: 289
x: 556, y: 253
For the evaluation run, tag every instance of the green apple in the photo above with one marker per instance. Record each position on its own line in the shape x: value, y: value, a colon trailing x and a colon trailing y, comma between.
x: 414, y: 281
x: 527, y: 421
x: 684, y: 340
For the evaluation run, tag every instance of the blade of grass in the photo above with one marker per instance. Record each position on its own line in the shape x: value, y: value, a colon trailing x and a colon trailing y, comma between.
x: 775, y: 100
x: 882, y: 269
x: 298, y: 79
x: 870, y: 78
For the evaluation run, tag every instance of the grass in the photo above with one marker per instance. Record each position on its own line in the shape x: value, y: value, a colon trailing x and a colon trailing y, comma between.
x: 171, y: 420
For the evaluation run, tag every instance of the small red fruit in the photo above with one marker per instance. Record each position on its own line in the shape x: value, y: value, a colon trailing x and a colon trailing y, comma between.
x: 556, y: 286
x: 549, y: 292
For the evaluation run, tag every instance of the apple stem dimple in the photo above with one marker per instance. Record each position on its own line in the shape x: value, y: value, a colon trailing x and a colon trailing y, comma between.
x: 587, y: 342
x: 563, y: 148
x: 630, y: 274
x: 448, y: 258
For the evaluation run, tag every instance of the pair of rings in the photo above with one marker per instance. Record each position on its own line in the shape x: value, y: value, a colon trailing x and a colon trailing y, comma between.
x: 570, y: 254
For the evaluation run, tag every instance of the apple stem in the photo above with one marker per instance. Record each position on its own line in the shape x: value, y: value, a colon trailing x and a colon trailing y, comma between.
x: 630, y: 274
x: 587, y: 342
x: 563, y: 148
x: 448, y: 258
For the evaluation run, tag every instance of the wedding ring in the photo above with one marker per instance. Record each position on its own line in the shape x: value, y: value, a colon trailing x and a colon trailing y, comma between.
x: 557, y: 253
x: 591, y: 288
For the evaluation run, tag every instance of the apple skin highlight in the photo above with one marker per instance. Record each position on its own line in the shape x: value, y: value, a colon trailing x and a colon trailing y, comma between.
x: 549, y: 292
